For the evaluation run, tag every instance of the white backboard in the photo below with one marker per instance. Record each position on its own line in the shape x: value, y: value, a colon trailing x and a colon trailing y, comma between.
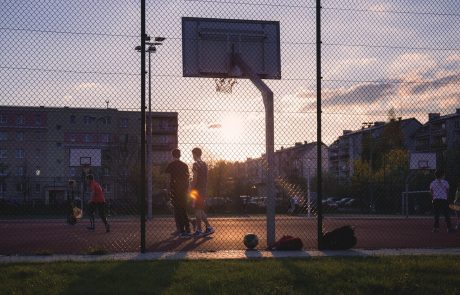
x: 207, y: 46
x: 79, y: 157
x: 422, y: 161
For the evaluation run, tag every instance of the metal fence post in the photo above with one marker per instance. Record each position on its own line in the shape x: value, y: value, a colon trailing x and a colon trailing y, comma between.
x: 318, y: 118
x: 143, y: 179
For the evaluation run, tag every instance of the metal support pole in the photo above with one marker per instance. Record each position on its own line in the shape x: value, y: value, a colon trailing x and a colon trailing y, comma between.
x: 149, y: 149
x: 142, y: 172
x: 319, y: 180
x: 406, y: 200
x: 267, y: 96
x: 308, y: 193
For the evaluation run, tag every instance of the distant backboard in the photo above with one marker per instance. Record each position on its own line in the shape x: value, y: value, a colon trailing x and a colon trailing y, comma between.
x: 207, y: 46
x: 81, y: 157
x: 420, y: 161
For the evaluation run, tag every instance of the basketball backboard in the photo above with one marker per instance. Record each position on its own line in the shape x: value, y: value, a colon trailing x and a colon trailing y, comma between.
x: 82, y: 157
x: 420, y: 161
x: 208, y: 44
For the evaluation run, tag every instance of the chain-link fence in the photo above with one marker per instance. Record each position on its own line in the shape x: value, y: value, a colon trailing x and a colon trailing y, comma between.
x: 71, y: 107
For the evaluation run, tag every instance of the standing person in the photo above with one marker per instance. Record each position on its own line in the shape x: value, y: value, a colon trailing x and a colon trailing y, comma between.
x: 198, y: 193
x: 457, y: 202
x: 97, y: 202
x: 179, y: 181
x: 71, y: 219
x: 439, y: 189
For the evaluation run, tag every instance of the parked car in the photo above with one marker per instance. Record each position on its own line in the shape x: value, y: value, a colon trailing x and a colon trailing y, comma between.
x: 342, y: 202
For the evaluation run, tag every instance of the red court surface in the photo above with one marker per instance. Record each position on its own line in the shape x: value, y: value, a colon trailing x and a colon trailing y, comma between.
x: 42, y: 236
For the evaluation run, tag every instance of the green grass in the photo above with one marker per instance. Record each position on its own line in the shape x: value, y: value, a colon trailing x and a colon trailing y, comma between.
x: 385, y: 275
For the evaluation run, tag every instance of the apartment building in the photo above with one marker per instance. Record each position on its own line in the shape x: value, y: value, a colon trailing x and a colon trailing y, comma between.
x: 298, y: 161
x: 439, y: 134
x: 348, y: 148
x: 36, y: 144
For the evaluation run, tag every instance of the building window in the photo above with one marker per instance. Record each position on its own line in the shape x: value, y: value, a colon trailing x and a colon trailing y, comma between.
x: 72, y: 171
x: 38, y: 120
x: 105, y: 138
x: 124, y: 123
x: 88, y: 138
x: 58, y: 144
x: 102, y: 121
x: 20, y: 136
x: 58, y: 127
x: 20, y: 171
x: 37, y: 187
x: 20, y: 187
x: 3, y: 154
x: 124, y: 187
x: 106, y: 171
x: 20, y: 120
x: 73, y: 119
x: 88, y: 120
x: 72, y: 138
x: 3, y: 119
x: 3, y: 171
x: 20, y: 154
x: 2, y: 187
x: 3, y: 135
x: 106, y: 187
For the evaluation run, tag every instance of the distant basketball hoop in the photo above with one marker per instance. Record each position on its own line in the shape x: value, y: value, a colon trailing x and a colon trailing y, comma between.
x: 225, y: 85
x: 422, y: 161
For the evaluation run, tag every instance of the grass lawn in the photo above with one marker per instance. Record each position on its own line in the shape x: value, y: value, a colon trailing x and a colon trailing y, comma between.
x: 375, y: 275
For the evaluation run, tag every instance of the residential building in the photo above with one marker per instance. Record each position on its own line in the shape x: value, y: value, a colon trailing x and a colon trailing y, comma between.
x: 296, y: 162
x: 439, y: 134
x: 36, y: 145
x: 348, y: 148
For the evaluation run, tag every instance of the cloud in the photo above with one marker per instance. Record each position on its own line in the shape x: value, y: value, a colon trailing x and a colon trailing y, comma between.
x: 359, y: 94
x: 87, y: 86
x: 215, y: 126
x: 436, y: 84
x: 412, y: 64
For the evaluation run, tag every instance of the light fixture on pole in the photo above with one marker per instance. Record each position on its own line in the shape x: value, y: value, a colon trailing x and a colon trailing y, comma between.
x: 150, y: 49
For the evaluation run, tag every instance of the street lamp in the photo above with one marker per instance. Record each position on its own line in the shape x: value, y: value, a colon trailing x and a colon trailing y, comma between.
x: 150, y: 49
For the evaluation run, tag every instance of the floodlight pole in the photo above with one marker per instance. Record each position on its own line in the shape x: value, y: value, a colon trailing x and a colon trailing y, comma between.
x: 319, y: 170
x: 267, y: 96
x: 144, y: 38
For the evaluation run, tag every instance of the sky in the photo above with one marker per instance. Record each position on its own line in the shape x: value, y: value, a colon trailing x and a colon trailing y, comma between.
x: 376, y: 55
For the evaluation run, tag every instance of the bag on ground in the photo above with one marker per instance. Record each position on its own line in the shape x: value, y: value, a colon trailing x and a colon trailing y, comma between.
x: 341, y: 238
x: 288, y: 243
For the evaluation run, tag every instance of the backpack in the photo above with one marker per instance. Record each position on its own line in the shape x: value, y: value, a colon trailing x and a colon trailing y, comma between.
x: 341, y: 238
x: 288, y: 243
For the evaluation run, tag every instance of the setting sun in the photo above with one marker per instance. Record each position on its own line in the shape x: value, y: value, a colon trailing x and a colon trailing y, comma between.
x: 232, y: 127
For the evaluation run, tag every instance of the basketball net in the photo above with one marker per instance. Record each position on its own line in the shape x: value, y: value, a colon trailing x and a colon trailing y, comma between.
x: 225, y: 85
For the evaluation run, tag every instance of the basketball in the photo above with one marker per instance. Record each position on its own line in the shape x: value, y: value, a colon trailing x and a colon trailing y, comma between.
x: 251, y: 241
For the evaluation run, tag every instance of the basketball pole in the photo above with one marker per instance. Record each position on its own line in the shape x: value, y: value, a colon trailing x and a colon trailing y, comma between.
x: 267, y: 96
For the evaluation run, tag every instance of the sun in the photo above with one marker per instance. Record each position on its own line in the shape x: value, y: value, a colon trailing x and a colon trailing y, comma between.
x: 232, y: 127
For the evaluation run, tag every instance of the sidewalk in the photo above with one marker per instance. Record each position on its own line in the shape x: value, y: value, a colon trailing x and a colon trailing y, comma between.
x: 236, y: 254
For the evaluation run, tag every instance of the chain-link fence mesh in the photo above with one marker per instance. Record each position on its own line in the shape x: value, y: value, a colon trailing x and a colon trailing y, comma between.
x: 70, y: 106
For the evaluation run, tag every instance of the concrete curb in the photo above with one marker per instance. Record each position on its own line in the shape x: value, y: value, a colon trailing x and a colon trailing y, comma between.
x: 236, y: 254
